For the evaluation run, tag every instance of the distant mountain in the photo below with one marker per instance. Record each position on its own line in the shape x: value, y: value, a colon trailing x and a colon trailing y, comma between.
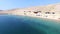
x: 1, y: 10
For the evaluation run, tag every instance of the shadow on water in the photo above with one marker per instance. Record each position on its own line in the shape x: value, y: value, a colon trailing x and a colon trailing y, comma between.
x: 25, y: 25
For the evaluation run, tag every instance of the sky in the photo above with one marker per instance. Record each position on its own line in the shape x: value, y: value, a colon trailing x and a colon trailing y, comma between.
x: 12, y: 4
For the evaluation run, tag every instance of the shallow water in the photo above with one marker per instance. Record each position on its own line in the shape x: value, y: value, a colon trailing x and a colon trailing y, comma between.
x: 10, y: 24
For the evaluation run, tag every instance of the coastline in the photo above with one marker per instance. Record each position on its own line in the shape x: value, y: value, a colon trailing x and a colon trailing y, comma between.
x: 51, y: 12
x: 42, y: 18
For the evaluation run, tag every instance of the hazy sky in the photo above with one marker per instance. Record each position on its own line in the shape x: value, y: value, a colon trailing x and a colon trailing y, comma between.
x: 10, y: 4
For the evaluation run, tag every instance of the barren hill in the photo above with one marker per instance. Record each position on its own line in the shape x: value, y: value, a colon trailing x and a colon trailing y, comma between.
x: 49, y: 11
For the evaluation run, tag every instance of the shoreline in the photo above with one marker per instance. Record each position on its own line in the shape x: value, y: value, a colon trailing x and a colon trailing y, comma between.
x: 42, y: 18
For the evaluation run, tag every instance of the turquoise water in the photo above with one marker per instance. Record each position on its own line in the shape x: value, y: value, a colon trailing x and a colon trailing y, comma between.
x: 10, y: 24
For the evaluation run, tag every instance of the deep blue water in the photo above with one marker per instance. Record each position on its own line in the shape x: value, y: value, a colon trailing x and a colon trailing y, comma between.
x: 10, y: 24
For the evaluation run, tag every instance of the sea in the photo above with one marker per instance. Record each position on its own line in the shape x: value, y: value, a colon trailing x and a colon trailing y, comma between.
x: 14, y: 24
